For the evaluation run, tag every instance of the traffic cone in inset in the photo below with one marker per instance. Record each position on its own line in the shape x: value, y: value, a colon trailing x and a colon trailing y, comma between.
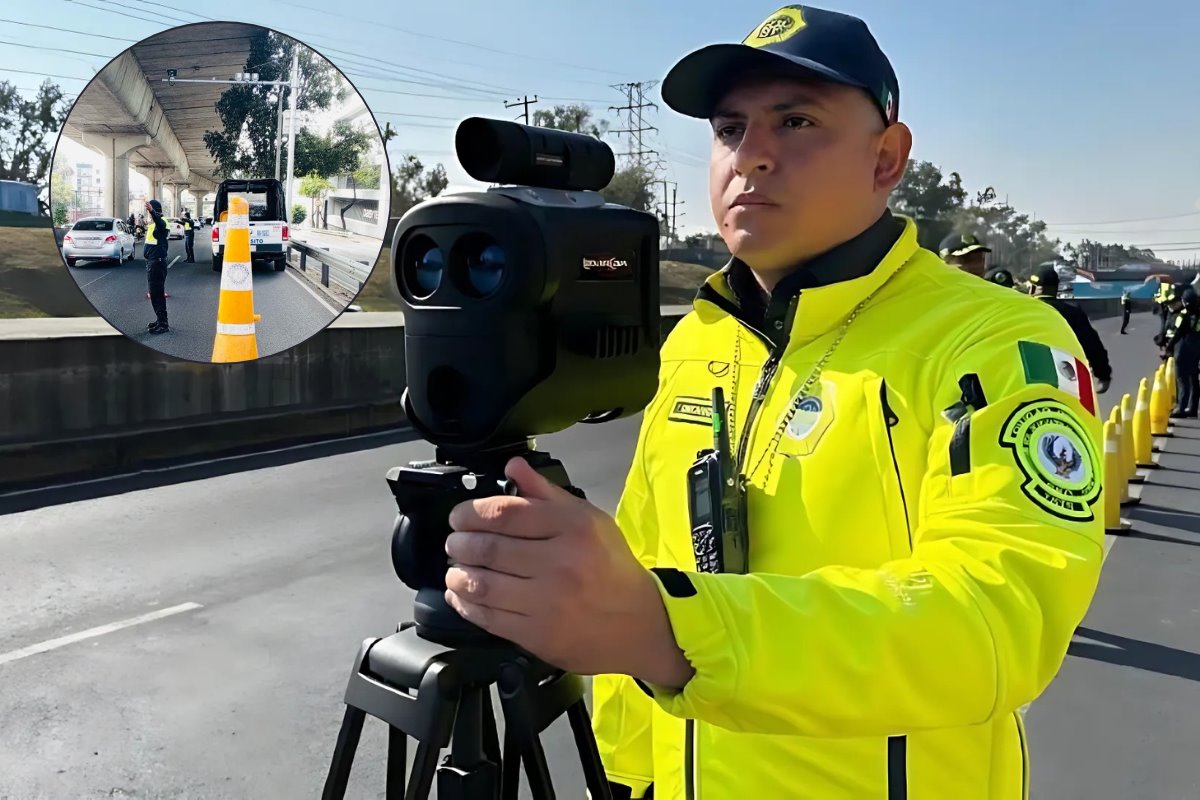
x: 1160, y: 413
x: 1143, y: 442
x: 1111, y: 489
x: 236, y: 339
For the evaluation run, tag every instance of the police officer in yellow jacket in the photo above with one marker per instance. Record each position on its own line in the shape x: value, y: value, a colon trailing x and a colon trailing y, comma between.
x: 920, y: 473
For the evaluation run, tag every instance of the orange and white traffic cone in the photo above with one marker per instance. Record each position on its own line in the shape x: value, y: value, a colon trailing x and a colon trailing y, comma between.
x: 236, y: 339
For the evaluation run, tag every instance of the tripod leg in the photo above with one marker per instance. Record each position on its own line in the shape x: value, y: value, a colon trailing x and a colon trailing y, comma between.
x: 589, y: 753
x: 510, y: 767
x: 423, y: 771
x: 491, y: 741
x: 397, y: 763
x: 541, y: 786
x: 343, y: 754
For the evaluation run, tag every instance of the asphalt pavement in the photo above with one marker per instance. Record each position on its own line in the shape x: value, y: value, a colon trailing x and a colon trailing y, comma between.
x: 291, y: 310
x: 261, y: 584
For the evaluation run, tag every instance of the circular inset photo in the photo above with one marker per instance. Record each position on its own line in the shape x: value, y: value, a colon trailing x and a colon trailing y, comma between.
x: 229, y: 192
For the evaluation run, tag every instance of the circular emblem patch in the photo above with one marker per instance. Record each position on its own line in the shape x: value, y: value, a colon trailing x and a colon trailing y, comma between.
x: 238, y: 273
x: 1053, y: 451
x: 806, y: 417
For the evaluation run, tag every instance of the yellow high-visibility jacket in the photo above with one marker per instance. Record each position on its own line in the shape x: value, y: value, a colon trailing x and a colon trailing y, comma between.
x: 925, y: 535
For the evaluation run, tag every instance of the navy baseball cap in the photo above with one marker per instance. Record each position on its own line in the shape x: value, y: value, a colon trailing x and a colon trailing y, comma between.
x: 960, y: 244
x: 803, y: 41
x: 157, y: 206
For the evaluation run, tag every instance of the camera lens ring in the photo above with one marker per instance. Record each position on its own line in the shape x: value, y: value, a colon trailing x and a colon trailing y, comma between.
x: 480, y: 265
x: 423, y: 267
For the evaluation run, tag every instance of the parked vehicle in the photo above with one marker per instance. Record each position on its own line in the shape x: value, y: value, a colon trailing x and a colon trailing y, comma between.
x: 98, y: 239
x: 268, y: 222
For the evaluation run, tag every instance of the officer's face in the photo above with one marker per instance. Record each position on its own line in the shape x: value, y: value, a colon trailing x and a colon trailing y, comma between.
x: 798, y: 167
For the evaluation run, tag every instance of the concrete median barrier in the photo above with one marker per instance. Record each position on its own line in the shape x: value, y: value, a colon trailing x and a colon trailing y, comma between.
x: 80, y: 400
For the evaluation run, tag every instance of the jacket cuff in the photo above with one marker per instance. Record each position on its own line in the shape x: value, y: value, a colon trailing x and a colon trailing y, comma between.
x: 703, y: 629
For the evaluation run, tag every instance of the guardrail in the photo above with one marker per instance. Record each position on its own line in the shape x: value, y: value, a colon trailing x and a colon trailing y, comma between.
x: 350, y: 275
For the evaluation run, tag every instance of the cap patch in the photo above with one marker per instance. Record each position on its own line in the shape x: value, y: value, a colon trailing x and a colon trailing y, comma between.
x: 779, y: 27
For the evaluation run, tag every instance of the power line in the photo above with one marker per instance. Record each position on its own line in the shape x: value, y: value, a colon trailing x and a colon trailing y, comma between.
x: 67, y: 30
x: 43, y: 74
x: 472, y: 45
x: 114, y: 11
x: 54, y: 49
x: 1123, y: 221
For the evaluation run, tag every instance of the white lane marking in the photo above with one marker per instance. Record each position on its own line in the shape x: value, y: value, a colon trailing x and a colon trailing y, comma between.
x: 91, y: 633
x: 310, y: 290
x: 173, y: 260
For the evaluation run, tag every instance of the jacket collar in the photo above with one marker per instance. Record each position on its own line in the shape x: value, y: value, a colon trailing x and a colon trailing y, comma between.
x: 816, y: 298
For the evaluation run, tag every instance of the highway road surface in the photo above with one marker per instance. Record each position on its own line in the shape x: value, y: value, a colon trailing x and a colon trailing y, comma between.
x: 194, y: 639
x: 292, y: 310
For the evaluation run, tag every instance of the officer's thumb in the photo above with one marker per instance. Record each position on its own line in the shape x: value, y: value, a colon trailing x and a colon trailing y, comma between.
x: 525, y: 481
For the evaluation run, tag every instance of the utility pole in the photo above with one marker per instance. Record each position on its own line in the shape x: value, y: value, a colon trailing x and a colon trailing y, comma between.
x: 278, y: 131
x: 635, y: 101
x: 293, y: 101
x: 525, y: 102
x: 670, y: 209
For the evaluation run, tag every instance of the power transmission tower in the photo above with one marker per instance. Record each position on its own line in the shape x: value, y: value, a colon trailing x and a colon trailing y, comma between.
x: 525, y: 102
x: 635, y: 102
x: 669, y: 210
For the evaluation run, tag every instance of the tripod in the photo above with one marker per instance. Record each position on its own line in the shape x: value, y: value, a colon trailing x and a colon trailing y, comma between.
x: 432, y: 679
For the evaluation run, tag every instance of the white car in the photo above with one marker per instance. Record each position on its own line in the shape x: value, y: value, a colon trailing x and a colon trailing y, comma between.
x: 174, y: 229
x: 97, y: 239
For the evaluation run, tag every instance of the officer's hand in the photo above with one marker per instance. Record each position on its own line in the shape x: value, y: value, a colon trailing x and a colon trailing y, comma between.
x: 553, y: 574
x: 1102, y: 386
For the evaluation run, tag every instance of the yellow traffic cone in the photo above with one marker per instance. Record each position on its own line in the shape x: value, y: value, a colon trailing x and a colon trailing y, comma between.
x: 1112, y: 469
x: 1127, y: 445
x: 1172, y: 383
x: 1119, y: 479
x: 1160, y: 414
x: 236, y: 339
x: 1143, y: 442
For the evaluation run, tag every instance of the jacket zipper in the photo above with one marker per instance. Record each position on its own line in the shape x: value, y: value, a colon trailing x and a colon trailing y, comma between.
x: 891, y: 420
x: 689, y: 760
x: 897, y: 768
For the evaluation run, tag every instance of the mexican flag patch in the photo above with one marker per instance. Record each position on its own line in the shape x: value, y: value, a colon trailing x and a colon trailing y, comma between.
x: 1060, y: 369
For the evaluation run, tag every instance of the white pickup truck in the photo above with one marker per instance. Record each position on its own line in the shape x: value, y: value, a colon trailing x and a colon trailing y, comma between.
x: 268, y: 223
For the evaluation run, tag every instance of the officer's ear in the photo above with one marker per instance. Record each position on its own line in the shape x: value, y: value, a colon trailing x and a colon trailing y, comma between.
x: 892, y: 150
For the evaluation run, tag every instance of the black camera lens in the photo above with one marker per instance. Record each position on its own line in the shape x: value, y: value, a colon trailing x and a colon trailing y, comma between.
x: 479, y: 265
x: 423, y: 267
x: 486, y: 270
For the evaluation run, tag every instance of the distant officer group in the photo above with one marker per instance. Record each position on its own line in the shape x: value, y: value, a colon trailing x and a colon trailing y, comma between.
x: 967, y: 252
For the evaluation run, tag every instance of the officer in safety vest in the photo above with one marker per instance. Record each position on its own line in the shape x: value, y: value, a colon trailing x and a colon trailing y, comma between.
x: 1182, y: 340
x: 189, y: 237
x: 916, y: 474
x: 154, y: 250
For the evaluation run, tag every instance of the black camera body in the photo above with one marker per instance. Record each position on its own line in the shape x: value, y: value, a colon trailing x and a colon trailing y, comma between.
x: 527, y: 310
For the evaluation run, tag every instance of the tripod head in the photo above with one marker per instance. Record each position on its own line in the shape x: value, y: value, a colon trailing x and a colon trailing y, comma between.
x: 425, y: 493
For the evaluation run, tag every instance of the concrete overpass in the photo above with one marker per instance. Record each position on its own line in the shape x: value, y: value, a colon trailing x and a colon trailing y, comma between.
x: 136, y: 121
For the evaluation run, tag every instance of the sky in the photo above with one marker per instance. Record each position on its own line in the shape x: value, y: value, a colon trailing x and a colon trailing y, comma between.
x: 1081, y: 113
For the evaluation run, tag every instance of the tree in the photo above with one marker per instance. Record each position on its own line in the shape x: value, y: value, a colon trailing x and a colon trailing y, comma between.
x: 1088, y: 254
x: 245, y: 146
x: 631, y: 186
x: 575, y: 118
x: 27, y: 128
x: 312, y: 187
x: 412, y: 183
x: 62, y: 193
x: 925, y: 193
x: 1018, y: 241
x: 336, y: 153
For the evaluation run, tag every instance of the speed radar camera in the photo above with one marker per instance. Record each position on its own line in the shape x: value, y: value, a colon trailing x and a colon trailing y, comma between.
x: 532, y: 305
x: 528, y: 307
